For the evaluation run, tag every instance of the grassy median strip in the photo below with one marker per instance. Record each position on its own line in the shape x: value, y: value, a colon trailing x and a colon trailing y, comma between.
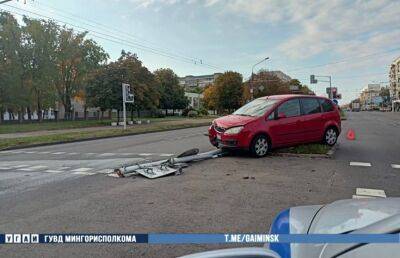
x: 86, y: 135
x: 306, y: 149
x: 61, y: 125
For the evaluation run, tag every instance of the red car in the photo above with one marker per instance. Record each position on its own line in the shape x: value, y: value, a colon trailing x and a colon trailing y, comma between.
x: 277, y: 121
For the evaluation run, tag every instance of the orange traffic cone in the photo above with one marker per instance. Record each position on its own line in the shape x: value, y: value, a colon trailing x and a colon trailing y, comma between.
x: 351, y: 135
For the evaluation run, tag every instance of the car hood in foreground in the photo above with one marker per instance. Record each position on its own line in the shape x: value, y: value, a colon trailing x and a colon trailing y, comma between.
x: 347, y: 215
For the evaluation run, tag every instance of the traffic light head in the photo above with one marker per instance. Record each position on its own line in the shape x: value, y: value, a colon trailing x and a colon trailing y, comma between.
x: 312, y: 79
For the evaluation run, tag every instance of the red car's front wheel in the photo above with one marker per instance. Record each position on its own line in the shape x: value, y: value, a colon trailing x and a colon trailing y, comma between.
x: 260, y: 146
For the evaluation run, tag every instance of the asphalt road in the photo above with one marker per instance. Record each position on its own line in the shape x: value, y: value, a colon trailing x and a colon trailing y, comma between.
x: 65, y: 188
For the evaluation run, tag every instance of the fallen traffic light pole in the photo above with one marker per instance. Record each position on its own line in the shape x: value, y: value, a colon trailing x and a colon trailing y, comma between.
x: 161, y: 168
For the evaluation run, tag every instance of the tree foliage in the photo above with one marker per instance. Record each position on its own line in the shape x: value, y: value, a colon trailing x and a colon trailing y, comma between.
x: 172, y: 95
x: 104, y: 88
x: 229, y: 91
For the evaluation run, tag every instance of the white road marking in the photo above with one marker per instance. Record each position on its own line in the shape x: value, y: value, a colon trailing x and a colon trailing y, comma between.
x: 32, y: 168
x: 58, y: 153
x: 44, y: 152
x: 84, y: 173
x: 90, y: 153
x: 113, y: 175
x: 145, y: 154
x: 4, y: 168
x: 370, y: 192
x: 126, y: 154
x: 106, y: 154
x: 81, y: 170
x: 53, y: 171
x: 5, y: 152
x: 166, y: 155
x: 29, y: 152
x: 360, y: 164
x: 20, y: 166
x: 105, y: 171
x: 73, y: 153
x: 395, y: 166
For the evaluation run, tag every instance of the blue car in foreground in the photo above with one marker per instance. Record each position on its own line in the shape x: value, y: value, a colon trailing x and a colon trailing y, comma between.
x: 361, y: 215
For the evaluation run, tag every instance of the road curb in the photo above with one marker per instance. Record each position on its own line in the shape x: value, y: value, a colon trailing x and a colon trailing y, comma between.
x: 98, y: 138
x: 330, y: 154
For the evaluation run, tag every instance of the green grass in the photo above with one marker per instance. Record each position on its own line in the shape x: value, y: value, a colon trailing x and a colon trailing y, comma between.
x: 83, y: 135
x: 306, y: 149
x: 35, y: 126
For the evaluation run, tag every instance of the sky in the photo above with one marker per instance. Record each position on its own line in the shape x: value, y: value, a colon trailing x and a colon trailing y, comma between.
x: 352, y: 41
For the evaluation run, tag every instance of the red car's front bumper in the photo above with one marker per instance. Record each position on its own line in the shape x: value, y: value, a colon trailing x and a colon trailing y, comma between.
x: 221, y: 140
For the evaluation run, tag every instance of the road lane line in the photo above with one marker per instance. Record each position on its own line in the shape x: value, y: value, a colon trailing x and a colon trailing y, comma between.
x: 73, y: 153
x: 145, y: 154
x: 106, y: 154
x: 166, y: 155
x: 360, y: 164
x: 53, y: 171
x: 370, y: 192
x: 5, y: 168
x: 105, y: 171
x: 58, y: 153
x: 395, y: 166
x: 32, y: 168
x: 81, y: 169
x: 20, y: 166
x: 84, y: 173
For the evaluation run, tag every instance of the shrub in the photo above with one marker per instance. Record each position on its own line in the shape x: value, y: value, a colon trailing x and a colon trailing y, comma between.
x: 192, y: 113
x: 203, y: 112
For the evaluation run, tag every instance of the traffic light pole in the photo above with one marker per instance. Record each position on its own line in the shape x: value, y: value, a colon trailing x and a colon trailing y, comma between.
x: 313, y: 81
x: 124, y: 104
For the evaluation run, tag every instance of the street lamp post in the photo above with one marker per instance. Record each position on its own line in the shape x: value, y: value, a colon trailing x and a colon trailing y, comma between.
x: 252, y: 76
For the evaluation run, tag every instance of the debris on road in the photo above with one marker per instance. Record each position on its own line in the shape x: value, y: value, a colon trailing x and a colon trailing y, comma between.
x: 169, y: 166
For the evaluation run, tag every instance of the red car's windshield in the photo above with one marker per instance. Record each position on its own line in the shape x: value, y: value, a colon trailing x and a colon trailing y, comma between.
x: 256, y: 108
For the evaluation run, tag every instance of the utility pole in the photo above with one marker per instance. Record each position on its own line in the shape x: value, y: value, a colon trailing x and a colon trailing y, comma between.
x: 252, y: 76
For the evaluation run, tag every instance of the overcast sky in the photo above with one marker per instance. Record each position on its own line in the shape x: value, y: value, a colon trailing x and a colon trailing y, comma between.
x: 357, y: 40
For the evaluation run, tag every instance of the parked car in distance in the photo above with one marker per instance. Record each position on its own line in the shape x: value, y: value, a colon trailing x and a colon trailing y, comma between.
x: 277, y: 121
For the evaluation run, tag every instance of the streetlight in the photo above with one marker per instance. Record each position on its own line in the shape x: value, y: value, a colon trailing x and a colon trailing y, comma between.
x: 252, y: 76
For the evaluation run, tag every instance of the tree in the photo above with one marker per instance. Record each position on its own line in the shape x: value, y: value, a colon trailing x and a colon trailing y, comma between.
x: 265, y: 84
x: 13, y: 59
x: 385, y: 94
x: 76, y: 58
x: 172, y: 95
x: 104, y: 86
x: 41, y: 43
x: 229, y: 91
x: 210, y: 97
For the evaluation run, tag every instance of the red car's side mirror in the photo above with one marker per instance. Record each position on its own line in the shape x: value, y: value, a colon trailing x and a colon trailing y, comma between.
x: 281, y: 115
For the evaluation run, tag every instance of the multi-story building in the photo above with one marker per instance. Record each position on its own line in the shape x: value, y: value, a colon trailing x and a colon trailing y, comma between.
x: 394, y: 79
x: 200, y: 81
x: 369, y: 97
